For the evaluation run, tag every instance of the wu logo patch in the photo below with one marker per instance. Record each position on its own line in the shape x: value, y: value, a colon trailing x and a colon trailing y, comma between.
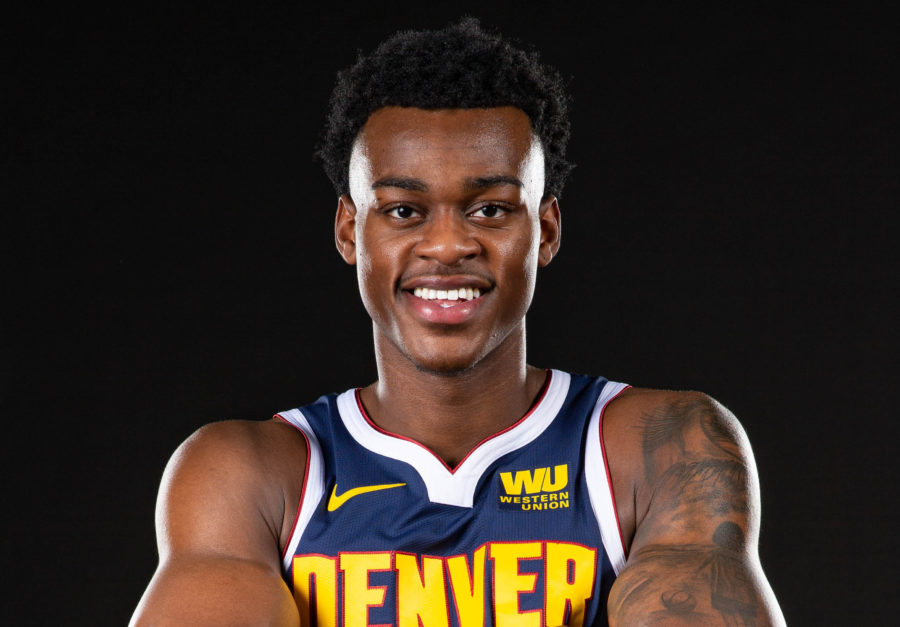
x: 536, y: 489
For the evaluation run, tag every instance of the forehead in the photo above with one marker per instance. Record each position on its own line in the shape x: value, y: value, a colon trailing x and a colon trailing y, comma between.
x: 400, y: 141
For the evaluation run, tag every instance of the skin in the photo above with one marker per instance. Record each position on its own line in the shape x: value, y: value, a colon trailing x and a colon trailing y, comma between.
x: 687, y: 495
x: 222, y: 513
x: 445, y: 198
x: 428, y: 162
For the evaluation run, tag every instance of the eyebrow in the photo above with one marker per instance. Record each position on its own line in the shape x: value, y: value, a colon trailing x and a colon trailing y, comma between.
x: 475, y: 183
x: 483, y: 182
x: 413, y: 185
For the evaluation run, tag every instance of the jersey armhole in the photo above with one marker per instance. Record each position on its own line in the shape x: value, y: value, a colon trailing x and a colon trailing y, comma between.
x: 599, y: 481
x: 312, y: 487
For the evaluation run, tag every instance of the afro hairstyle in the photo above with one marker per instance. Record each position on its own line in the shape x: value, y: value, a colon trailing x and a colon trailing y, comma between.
x: 458, y: 67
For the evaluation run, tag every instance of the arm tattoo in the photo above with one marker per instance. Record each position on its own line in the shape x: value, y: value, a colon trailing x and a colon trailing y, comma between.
x: 663, y: 434
x: 697, y: 483
x: 711, y: 583
x: 660, y: 428
x: 719, y: 435
x: 717, y: 484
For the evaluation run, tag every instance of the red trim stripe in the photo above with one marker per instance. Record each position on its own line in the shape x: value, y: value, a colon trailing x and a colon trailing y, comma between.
x: 453, y: 470
x: 609, y: 482
x: 302, y: 486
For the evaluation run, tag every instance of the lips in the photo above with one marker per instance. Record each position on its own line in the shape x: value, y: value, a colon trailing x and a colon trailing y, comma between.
x: 443, y: 311
x: 445, y: 299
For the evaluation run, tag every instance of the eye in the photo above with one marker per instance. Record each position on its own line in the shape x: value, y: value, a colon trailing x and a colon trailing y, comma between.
x: 489, y: 211
x: 403, y: 212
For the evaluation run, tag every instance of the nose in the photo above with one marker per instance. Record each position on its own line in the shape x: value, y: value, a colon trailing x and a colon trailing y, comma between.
x: 447, y: 238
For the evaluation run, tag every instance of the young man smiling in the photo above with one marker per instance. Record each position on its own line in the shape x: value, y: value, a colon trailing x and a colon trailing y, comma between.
x: 463, y: 487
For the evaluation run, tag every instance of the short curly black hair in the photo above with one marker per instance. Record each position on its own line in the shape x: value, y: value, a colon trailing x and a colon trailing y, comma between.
x: 458, y: 67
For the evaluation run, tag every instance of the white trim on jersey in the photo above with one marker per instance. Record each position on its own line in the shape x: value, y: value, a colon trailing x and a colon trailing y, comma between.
x: 599, y: 489
x: 446, y: 486
x: 315, y: 483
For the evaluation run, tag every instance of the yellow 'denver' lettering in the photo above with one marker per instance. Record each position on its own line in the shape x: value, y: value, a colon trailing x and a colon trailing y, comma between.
x: 421, y: 594
x: 323, y: 571
x: 563, y: 558
x: 523, y: 478
x: 468, y: 588
x: 358, y: 596
x: 508, y: 583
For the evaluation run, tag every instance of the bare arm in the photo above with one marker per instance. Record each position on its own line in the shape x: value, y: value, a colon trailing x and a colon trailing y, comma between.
x: 693, y: 560
x: 219, y: 522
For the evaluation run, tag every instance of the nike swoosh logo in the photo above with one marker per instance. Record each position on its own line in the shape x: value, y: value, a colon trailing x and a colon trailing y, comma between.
x: 335, y: 500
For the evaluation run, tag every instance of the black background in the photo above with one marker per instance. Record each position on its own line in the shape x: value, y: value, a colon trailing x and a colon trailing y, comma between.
x: 727, y: 229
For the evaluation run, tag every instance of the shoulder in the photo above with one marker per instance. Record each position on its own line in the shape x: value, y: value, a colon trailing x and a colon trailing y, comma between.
x: 238, y: 449
x: 660, y: 438
x: 690, y: 482
x: 634, y: 404
x: 645, y: 420
x: 233, y: 470
x: 227, y: 496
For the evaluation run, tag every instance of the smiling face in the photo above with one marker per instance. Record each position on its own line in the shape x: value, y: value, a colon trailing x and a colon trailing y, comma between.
x: 446, y: 225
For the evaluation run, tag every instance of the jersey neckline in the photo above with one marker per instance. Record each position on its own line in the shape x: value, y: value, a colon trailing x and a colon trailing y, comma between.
x: 454, y: 486
x: 540, y: 397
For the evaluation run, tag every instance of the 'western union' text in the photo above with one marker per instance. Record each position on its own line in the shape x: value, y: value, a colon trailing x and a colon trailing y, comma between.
x: 541, y: 485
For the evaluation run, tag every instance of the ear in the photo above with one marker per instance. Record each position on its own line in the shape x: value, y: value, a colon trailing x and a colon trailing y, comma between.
x: 551, y: 230
x: 345, y: 229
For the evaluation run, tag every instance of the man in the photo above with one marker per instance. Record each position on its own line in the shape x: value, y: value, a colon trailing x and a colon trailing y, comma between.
x: 463, y: 487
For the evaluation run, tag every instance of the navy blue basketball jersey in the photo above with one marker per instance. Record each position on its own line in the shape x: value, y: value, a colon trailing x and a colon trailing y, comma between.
x: 523, y: 532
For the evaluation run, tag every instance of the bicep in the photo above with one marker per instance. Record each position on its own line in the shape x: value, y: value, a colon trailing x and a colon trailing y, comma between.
x: 694, y: 555
x: 218, y: 519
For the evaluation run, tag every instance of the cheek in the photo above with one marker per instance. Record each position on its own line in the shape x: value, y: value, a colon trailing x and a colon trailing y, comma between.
x: 364, y: 273
x: 521, y: 254
x: 374, y: 291
x: 375, y: 268
x: 366, y: 267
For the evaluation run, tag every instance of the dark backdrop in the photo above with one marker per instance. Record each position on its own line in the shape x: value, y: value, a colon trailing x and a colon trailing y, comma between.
x: 726, y: 229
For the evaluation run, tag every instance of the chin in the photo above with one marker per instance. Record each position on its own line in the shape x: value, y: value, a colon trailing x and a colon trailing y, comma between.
x: 444, y: 370
x: 443, y: 364
x: 444, y: 367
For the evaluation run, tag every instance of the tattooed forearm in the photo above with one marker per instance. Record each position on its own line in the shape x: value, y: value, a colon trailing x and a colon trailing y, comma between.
x: 688, y: 584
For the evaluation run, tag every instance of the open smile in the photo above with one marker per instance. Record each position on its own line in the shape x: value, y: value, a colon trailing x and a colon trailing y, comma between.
x: 446, y: 301
x: 448, y: 298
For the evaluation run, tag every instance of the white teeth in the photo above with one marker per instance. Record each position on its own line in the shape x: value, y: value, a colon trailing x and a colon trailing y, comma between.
x: 462, y: 293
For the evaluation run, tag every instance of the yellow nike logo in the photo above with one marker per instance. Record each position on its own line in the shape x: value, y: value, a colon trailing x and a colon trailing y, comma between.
x: 335, y: 500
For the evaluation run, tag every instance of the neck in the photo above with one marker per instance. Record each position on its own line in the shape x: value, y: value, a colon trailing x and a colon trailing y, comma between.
x: 451, y: 413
